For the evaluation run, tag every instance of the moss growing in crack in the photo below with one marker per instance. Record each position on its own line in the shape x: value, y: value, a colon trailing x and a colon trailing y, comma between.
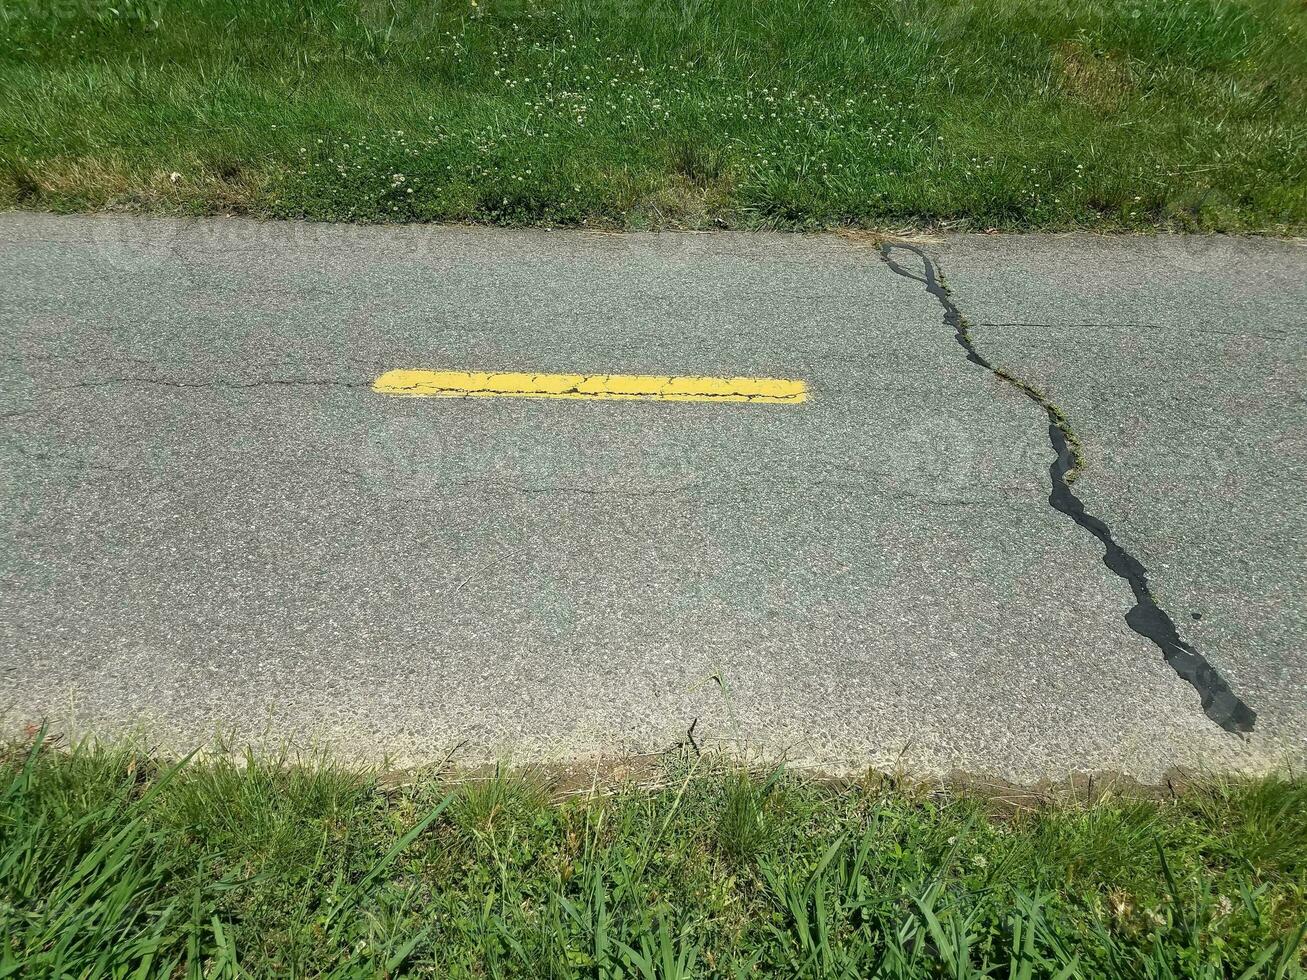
x: 1055, y: 415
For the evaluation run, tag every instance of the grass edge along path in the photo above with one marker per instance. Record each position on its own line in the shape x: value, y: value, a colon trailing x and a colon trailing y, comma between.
x: 114, y: 863
x: 883, y: 114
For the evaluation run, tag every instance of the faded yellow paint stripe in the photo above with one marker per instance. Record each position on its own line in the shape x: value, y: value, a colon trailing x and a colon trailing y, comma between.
x: 518, y: 384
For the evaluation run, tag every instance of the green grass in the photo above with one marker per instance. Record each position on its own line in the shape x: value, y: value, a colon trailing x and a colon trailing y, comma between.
x: 1009, y: 114
x: 114, y: 864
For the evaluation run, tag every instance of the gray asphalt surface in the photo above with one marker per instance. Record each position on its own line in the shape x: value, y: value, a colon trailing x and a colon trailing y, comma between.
x: 212, y: 523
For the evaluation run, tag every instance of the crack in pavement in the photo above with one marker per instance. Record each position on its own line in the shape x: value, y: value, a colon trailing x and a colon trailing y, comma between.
x: 1146, y: 618
x: 265, y: 383
x: 735, y: 490
x: 731, y: 489
x: 1270, y: 334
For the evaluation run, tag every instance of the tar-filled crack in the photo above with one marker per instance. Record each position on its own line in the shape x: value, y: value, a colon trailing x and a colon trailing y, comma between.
x: 1146, y: 617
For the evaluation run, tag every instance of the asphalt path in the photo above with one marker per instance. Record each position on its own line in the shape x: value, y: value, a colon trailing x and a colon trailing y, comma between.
x: 213, y: 524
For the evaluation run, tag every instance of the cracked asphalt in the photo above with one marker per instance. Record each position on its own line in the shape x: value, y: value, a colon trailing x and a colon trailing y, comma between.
x: 212, y: 524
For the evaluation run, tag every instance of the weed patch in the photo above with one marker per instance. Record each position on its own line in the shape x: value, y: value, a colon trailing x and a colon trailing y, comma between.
x: 115, y: 863
x: 1011, y: 114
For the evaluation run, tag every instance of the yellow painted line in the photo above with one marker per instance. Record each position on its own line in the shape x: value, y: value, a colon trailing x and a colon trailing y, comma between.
x: 600, y: 387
